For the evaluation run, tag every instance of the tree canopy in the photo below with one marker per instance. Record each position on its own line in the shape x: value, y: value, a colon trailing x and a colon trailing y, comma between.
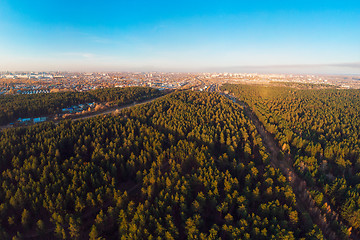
x: 320, y: 128
x: 187, y: 166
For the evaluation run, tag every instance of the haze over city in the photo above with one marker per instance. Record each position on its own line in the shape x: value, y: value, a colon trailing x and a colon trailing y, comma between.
x: 316, y: 37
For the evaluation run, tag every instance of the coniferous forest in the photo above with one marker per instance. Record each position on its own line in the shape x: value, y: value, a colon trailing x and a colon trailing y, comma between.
x: 179, y: 120
x: 189, y: 165
x: 320, y: 130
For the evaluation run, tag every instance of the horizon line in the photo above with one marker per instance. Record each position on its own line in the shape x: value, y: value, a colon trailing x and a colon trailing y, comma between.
x: 270, y: 69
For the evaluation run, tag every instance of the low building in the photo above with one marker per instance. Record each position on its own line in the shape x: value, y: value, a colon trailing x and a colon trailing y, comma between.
x: 39, y: 119
x: 24, y: 120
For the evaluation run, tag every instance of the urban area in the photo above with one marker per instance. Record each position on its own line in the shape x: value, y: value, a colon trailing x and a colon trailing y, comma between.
x: 16, y: 83
x: 47, y: 82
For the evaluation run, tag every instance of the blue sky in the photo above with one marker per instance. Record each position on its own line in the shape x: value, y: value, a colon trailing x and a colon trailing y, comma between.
x: 133, y: 35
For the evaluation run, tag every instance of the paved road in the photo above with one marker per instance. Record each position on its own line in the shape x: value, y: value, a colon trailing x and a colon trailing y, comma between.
x: 5, y: 127
x: 94, y: 114
x: 111, y: 110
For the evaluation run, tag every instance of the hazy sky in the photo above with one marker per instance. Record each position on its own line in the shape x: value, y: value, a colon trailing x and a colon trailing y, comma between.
x: 235, y: 36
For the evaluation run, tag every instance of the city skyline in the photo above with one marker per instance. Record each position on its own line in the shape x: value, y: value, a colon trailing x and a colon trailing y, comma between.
x: 276, y: 37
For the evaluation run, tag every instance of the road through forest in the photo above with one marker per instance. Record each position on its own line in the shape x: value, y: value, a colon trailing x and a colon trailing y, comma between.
x: 284, y: 163
x: 98, y: 113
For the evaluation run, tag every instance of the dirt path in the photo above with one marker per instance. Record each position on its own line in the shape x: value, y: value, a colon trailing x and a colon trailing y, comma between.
x: 304, y: 199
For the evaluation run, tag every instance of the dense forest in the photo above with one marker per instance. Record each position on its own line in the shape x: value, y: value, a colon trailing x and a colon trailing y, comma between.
x: 187, y: 166
x: 320, y: 129
x: 13, y: 107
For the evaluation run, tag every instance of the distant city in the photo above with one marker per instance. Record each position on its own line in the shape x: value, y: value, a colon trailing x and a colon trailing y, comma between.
x: 47, y: 82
